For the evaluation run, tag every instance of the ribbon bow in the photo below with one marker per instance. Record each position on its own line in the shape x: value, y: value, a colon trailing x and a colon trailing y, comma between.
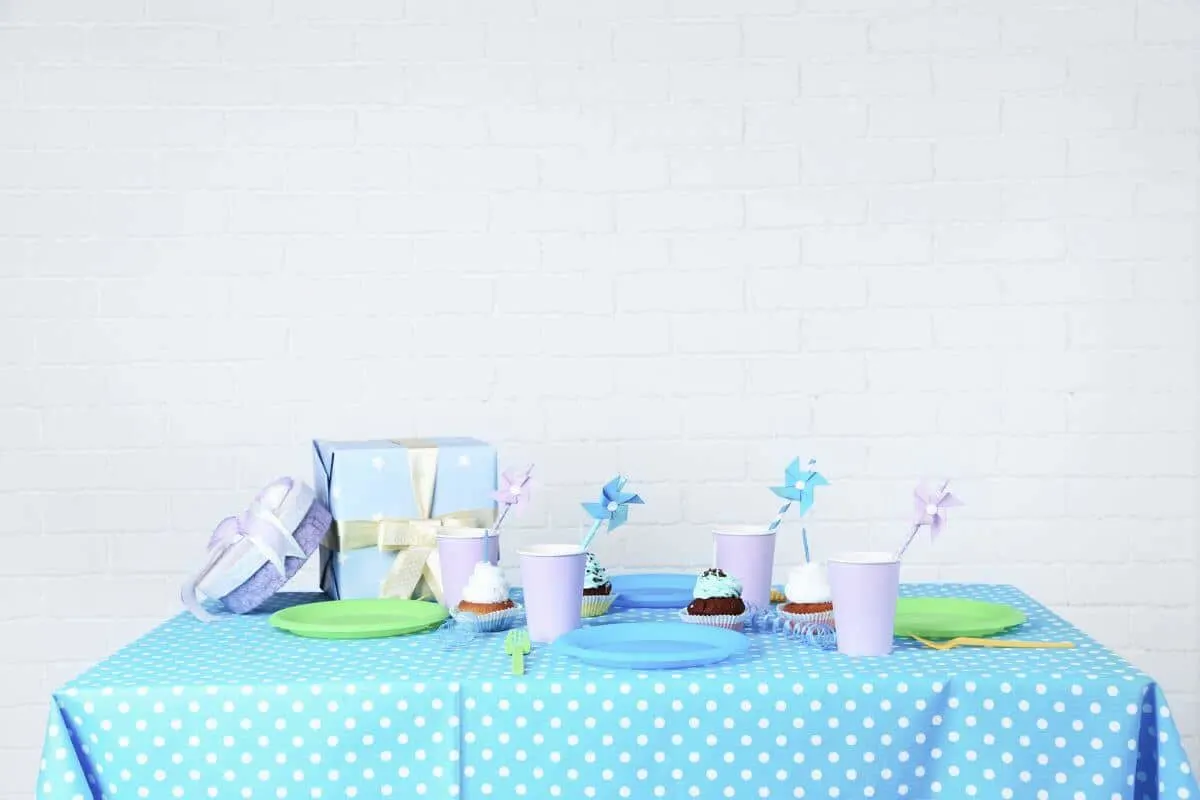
x: 930, y: 505
x: 414, y: 541
x: 416, y: 568
x: 261, y: 527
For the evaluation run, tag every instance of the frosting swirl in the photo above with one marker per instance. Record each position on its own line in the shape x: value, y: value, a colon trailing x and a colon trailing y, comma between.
x: 486, y: 585
x: 715, y: 583
x: 808, y: 583
x: 594, y: 575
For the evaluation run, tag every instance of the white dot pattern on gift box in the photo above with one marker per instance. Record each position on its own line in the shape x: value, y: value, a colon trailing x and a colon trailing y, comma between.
x: 236, y: 709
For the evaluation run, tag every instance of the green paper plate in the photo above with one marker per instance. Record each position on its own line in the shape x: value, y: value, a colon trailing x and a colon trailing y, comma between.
x: 947, y: 617
x: 359, y: 619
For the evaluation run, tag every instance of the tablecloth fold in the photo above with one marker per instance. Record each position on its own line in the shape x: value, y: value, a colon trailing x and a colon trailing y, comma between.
x: 64, y: 772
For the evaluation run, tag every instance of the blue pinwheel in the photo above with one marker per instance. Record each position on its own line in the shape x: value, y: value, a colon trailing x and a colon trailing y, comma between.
x: 613, y: 507
x: 798, y: 487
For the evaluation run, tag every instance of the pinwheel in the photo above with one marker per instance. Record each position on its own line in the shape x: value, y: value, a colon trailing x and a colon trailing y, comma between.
x: 798, y: 486
x: 613, y: 507
x: 513, y: 491
x: 930, y: 506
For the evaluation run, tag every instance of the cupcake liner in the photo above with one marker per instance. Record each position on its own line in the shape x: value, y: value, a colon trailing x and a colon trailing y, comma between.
x: 596, y: 605
x: 807, y: 619
x: 733, y: 622
x: 491, y: 622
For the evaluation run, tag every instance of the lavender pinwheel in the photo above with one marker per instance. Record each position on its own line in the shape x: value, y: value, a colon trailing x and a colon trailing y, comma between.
x: 930, y: 506
x: 798, y: 486
x: 611, y: 508
x: 513, y: 491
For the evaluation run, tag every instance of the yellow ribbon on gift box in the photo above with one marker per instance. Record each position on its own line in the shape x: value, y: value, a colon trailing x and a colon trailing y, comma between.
x: 416, y: 571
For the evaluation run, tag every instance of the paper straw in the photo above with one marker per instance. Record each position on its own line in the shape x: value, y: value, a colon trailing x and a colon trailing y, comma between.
x: 917, y: 526
x: 494, y: 529
x: 591, y: 534
x: 804, y: 538
x: 911, y: 534
x: 783, y: 509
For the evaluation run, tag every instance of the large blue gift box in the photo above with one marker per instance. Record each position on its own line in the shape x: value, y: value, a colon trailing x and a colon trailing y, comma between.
x: 389, y: 499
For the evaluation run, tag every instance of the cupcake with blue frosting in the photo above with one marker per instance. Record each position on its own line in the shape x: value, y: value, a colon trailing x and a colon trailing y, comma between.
x: 717, y: 601
x: 598, y: 594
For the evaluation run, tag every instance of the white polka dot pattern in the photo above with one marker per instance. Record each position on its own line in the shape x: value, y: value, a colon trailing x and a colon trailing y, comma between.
x: 236, y: 709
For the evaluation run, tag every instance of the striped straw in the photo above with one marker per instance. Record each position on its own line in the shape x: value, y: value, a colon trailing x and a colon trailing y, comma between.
x: 783, y: 509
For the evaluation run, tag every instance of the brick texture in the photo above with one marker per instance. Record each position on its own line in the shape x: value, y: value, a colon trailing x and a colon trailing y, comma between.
x: 682, y: 238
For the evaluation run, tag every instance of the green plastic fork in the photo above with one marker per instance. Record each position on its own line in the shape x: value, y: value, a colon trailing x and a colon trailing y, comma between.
x: 517, y: 644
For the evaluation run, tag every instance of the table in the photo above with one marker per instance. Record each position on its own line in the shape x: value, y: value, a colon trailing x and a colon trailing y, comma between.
x: 235, y: 709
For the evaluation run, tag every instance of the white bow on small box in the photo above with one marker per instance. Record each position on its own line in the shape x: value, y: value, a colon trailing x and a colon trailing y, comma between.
x: 251, y: 555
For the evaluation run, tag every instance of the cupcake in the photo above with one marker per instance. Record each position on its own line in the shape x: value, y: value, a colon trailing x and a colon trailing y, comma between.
x: 808, y: 596
x: 485, y: 600
x: 717, y: 601
x: 598, y: 595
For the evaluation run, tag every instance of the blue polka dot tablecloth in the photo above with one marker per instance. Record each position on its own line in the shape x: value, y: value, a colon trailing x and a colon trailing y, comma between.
x: 236, y: 709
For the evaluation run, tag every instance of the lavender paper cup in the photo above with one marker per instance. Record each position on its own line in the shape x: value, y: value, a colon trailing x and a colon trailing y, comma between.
x: 552, y: 576
x: 865, y: 588
x: 747, y: 552
x: 459, y: 550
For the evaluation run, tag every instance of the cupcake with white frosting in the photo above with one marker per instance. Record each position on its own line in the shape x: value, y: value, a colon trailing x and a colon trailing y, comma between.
x: 485, y: 602
x: 598, y: 595
x: 808, y: 595
x: 486, y: 590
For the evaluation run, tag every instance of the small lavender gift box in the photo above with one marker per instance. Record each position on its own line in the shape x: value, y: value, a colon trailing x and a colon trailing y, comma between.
x: 251, y: 556
x: 389, y: 498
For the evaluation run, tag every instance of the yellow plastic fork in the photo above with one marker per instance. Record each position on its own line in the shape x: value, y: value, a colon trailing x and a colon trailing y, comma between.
x: 969, y: 641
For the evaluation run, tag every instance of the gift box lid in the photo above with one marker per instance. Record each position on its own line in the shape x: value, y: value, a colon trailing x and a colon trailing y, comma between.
x: 374, y: 479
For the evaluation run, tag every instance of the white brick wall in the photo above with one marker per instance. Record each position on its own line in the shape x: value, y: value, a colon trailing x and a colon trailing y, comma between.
x: 682, y: 238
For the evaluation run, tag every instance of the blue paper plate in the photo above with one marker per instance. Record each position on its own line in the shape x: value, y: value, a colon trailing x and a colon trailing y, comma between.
x: 651, y: 645
x: 660, y: 590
